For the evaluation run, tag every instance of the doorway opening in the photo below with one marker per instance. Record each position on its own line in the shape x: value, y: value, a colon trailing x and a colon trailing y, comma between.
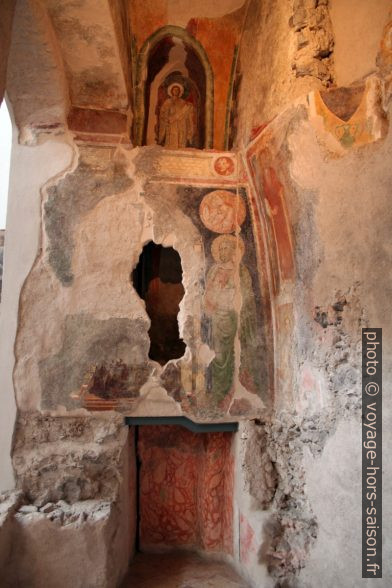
x: 184, y: 489
x: 157, y: 279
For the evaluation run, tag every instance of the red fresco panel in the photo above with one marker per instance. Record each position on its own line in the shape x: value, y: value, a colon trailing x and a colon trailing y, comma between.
x: 186, y: 489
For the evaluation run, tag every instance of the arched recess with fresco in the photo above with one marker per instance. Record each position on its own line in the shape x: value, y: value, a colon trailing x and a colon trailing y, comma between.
x: 172, y: 56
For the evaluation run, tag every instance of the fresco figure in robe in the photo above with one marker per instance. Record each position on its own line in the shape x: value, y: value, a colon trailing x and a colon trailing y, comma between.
x: 176, y: 120
x: 251, y: 361
x: 228, y: 287
x: 220, y: 306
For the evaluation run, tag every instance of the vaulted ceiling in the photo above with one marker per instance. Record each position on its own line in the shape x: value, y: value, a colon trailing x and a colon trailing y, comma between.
x: 73, y: 52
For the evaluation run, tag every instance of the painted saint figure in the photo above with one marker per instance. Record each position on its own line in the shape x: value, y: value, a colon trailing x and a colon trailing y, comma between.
x: 228, y: 287
x: 176, y: 120
x: 220, y: 306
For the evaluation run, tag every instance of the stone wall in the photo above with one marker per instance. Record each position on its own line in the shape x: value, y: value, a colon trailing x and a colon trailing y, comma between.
x: 74, y: 479
x: 297, y: 46
x: 288, y: 46
x: 70, y: 458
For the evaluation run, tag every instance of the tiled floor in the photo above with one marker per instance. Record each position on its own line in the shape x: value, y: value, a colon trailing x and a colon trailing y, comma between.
x: 180, y: 570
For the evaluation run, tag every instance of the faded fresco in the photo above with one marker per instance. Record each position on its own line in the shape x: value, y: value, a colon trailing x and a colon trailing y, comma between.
x: 193, y: 50
x: 349, y: 117
x: 228, y: 279
x: 235, y: 377
x: 263, y: 166
x: 220, y: 306
x: 175, y: 95
x: 177, y: 342
x: 231, y: 325
x: 176, y: 120
x: 222, y: 211
x: 224, y: 166
x: 186, y: 489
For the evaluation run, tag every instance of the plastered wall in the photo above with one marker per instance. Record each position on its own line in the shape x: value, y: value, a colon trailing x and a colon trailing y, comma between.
x: 312, y: 458
x: 93, y: 318
x: 30, y: 169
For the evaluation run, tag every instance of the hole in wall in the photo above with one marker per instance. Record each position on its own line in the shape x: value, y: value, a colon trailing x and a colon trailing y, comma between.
x: 157, y: 279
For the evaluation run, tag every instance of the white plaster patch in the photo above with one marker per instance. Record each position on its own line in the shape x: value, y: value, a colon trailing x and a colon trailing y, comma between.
x: 205, y: 354
x: 306, y: 171
x: 155, y: 401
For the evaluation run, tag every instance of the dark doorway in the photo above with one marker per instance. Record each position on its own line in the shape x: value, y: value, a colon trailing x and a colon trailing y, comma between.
x: 157, y: 279
x: 184, y: 484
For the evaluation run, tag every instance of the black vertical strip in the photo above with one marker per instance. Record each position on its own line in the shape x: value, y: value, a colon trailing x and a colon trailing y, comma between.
x: 138, y: 466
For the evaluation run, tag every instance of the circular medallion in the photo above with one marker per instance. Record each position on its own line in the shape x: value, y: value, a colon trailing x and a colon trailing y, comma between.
x: 222, y: 211
x: 224, y: 166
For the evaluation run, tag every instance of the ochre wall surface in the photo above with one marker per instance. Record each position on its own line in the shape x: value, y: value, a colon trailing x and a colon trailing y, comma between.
x: 288, y: 48
x: 357, y: 43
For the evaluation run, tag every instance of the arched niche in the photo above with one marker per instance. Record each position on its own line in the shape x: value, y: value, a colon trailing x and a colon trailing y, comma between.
x: 172, y: 54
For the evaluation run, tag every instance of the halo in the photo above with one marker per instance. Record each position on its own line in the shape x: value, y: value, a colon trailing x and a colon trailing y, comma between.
x: 236, y: 241
x: 171, y: 86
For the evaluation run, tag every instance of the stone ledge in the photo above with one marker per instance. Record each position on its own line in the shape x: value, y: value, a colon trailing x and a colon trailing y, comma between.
x: 81, y: 545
